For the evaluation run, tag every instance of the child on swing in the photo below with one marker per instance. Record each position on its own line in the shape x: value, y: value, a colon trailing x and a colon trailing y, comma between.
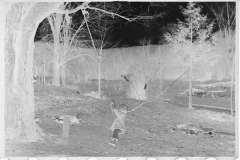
x: 118, y: 126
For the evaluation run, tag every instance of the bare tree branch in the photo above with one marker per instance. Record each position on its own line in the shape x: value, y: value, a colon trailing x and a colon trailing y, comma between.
x: 76, y: 33
x: 111, y: 13
x: 85, y: 19
x: 83, y: 6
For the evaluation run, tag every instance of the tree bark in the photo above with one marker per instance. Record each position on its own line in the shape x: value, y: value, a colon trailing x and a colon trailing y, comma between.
x: 56, y: 68
x: 190, y: 72
x: 232, y: 85
x: 99, y: 78
x: 63, y: 73
x: 55, y: 23
x: 19, y: 108
x: 44, y: 71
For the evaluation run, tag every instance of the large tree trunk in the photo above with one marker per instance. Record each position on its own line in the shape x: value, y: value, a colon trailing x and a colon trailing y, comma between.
x: 64, y: 61
x: 55, y: 23
x: 99, y: 78
x: 56, y: 68
x: 19, y: 109
x: 63, y: 73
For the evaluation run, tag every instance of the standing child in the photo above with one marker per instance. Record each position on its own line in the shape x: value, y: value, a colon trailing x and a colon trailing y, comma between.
x: 118, y: 126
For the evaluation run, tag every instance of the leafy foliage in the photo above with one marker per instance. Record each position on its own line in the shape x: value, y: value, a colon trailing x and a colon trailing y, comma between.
x: 200, y: 36
x: 201, y: 27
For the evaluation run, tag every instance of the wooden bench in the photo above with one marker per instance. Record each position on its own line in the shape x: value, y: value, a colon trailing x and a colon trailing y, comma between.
x: 200, y: 91
x: 215, y: 92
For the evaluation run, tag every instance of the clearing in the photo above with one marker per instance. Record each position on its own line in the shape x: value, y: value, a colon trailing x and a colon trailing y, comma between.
x: 152, y: 129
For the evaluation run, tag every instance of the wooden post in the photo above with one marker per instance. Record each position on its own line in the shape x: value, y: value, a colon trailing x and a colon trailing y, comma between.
x: 66, y: 127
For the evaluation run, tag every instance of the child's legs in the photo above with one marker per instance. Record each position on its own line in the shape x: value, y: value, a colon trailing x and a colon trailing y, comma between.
x: 115, y: 134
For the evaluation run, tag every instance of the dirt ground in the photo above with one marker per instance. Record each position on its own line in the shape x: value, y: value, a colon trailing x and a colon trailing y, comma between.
x: 150, y: 130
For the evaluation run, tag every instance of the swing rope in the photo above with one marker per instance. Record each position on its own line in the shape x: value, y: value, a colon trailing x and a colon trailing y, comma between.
x: 175, y: 81
x: 163, y: 91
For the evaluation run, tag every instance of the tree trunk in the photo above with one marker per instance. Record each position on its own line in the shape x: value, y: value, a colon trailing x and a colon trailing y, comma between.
x: 63, y: 73
x: 160, y: 69
x: 190, y: 83
x: 99, y: 78
x: 19, y: 109
x: 64, y: 67
x: 55, y: 23
x: 56, y: 72
x: 161, y: 78
x: 190, y: 72
x: 56, y: 68
x: 232, y: 86
x: 44, y: 76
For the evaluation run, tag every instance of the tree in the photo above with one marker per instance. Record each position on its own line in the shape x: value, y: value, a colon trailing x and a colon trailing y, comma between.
x: 65, y: 37
x: 99, y: 29
x: 225, y: 15
x: 55, y: 21
x: 22, y: 20
x: 195, y: 31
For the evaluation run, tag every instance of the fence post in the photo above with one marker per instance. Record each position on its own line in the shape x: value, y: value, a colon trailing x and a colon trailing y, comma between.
x: 66, y: 127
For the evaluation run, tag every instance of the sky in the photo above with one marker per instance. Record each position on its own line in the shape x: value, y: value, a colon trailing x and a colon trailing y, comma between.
x: 129, y: 33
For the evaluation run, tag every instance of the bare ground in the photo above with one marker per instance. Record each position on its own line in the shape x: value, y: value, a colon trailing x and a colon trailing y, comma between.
x: 149, y: 128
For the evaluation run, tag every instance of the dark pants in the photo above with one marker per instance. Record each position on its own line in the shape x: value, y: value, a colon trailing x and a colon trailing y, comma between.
x: 115, y: 134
